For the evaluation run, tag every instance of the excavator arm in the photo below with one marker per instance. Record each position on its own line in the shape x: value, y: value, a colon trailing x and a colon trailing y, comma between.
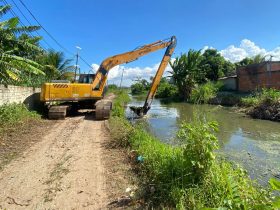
x: 102, y: 73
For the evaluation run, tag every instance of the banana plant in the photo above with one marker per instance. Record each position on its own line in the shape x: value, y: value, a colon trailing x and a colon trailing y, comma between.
x: 12, y: 62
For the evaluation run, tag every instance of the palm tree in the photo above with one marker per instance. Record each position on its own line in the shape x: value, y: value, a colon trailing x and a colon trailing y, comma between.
x: 56, y: 66
x: 253, y: 60
x: 12, y: 63
x: 186, y: 68
x: 258, y: 58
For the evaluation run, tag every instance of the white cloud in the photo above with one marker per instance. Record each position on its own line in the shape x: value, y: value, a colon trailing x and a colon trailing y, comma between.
x: 131, y: 73
x: 248, y: 48
x: 206, y: 48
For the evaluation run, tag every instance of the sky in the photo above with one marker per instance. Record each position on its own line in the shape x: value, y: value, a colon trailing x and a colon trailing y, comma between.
x: 103, y: 28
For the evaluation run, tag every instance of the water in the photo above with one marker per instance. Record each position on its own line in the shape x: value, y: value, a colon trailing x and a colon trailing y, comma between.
x: 254, y: 144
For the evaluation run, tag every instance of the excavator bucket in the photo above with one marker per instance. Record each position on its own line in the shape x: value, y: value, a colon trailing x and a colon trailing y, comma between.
x: 139, y: 111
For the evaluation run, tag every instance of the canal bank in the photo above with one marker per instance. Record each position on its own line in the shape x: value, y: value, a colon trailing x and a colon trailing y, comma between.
x: 186, y: 175
x: 252, y: 143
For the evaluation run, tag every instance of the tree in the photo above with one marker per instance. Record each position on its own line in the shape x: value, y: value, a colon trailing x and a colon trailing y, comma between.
x: 253, y: 60
x: 215, y: 65
x: 137, y: 88
x: 187, y: 72
x: 258, y: 58
x: 165, y: 89
x: 13, y: 62
x: 55, y: 66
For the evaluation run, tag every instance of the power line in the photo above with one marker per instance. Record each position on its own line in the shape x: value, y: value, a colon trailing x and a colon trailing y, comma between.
x: 61, y: 46
x: 45, y: 29
x: 16, y: 16
x: 30, y: 23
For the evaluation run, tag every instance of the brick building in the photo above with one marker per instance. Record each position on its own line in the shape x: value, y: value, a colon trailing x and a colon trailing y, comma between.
x: 256, y: 76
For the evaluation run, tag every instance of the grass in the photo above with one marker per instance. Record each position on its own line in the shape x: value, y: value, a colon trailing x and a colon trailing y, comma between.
x: 188, y: 176
x: 12, y: 115
x: 204, y: 92
x: 54, y: 184
x: 269, y: 96
x: 264, y: 104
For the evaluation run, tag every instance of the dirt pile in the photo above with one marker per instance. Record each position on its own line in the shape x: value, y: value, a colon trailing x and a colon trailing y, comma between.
x: 266, y: 111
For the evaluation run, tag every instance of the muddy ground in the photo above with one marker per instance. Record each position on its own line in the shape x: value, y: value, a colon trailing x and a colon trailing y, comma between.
x: 65, y: 164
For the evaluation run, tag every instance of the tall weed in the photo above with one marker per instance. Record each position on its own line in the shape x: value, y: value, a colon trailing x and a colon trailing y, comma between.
x: 189, y: 176
x: 269, y: 96
x: 203, y: 93
x: 12, y: 114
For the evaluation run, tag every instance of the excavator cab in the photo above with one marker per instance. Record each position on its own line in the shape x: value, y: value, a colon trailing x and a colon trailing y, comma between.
x: 86, y: 78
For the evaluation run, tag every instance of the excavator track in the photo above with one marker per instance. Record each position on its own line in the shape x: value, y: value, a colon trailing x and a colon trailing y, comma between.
x: 57, y: 112
x: 102, y: 109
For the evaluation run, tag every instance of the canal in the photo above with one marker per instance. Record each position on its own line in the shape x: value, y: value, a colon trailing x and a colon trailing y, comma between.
x: 252, y: 143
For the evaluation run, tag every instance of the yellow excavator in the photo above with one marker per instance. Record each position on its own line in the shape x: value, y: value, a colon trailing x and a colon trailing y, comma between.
x: 61, y: 96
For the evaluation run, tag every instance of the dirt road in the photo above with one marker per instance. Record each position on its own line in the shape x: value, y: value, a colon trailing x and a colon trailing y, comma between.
x: 64, y: 170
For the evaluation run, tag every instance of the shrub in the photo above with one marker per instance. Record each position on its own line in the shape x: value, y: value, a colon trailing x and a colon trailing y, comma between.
x: 188, y: 176
x: 166, y: 90
x: 264, y: 96
x: 119, y: 103
x: 12, y: 114
x: 120, y: 129
x: 203, y: 93
x: 137, y: 88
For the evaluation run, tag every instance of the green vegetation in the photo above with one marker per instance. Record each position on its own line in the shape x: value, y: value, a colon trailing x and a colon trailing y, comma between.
x: 166, y: 89
x: 186, y: 72
x: 204, y: 92
x: 140, y: 87
x: 13, y: 60
x: 119, y: 102
x: 194, y: 68
x: 189, y: 175
x: 264, y: 104
x: 23, y: 61
x: 194, y: 74
x: 215, y: 65
x: 260, y: 97
x: 247, y: 61
x: 12, y: 115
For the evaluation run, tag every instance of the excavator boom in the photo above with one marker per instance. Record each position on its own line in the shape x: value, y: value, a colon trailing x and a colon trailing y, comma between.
x: 109, y: 63
x: 102, y: 73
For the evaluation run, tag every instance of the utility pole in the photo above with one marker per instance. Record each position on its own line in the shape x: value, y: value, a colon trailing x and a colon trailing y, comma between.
x: 77, y: 60
x: 122, y: 77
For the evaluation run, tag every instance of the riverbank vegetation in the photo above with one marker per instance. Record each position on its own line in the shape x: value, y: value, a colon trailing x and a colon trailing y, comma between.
x: 23, y: 61
x: 189, y: 175
x: 264, y: 104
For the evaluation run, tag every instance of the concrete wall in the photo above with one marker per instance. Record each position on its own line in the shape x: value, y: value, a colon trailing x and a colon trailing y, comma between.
x: 256, y: 76
x: 229, y: 83
x: 16, y: 94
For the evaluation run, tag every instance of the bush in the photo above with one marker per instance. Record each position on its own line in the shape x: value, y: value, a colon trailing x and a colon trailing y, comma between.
x: 119, y: 103
x: 137, y: 88
x: 203, y: 93
x: 166, y: 90
x: 268, y: 96
x: 112, y: 87
x: 13, y: 114
x: 188, y: 176
x: 120, y: 129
